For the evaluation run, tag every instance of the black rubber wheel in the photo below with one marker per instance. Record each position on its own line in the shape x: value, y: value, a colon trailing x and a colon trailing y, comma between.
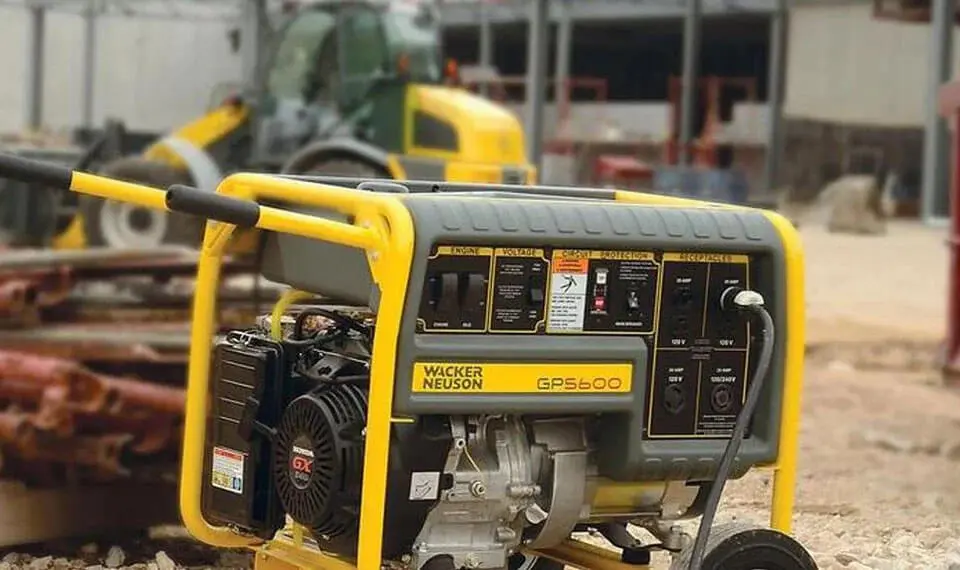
x: 108, y: 223
x: 738, y: 546
x: 345, y: 167
x: 527, y: 562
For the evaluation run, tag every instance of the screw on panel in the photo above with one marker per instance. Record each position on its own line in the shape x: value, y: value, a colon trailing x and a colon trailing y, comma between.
x: 478, y: 489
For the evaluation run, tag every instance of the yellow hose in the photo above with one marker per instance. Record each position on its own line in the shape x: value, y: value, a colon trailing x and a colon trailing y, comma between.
x: 280, y: 308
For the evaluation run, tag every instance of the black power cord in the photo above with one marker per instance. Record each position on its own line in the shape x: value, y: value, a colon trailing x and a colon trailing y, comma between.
x: 751, y: 302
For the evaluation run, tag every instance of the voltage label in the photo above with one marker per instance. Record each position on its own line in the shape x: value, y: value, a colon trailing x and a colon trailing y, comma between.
x: 520, y: 276
x: 526, y: 378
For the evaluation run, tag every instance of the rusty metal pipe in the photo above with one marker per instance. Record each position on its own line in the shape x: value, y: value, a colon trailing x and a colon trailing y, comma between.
x: 63, y: 393
x: 16, y: 295
x: 126, y: 394
x: 71, y: 411
x: 105, y: 337
x: 22, y: 374
x: 26, y: 442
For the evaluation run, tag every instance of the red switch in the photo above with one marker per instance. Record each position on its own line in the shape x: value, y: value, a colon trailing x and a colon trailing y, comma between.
x: 600, y: 291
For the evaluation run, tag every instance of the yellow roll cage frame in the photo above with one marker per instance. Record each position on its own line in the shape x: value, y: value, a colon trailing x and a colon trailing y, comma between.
x: 383, y: 228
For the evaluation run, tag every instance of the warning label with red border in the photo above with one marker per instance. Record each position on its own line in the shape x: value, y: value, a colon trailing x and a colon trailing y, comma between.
x: 568, y: 293
x: 227, y: 470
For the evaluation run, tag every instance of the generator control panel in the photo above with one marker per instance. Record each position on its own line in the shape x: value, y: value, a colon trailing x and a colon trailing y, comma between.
x: 699, y: 355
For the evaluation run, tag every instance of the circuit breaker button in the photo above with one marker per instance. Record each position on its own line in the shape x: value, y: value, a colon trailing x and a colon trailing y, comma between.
x: 600, y: 304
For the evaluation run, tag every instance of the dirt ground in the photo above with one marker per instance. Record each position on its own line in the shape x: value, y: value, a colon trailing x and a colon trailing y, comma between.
x: 878, y: 486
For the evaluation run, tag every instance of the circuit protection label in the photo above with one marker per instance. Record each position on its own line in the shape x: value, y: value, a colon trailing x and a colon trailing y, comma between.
x: 227, y: 470
x: 602, y: 291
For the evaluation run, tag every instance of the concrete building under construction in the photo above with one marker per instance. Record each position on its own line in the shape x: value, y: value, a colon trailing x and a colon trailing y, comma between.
x: 615, y: 74
x: 842, y: 109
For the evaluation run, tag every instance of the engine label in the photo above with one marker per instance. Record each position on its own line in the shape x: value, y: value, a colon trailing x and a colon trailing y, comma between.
x: 227, y: 470
x: 301, y: 462
x: 526, y: 378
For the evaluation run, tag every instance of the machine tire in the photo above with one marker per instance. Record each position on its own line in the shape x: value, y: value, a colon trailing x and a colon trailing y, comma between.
x: 527, y: 562
x: 107, y: 223
x: 740, y: 546
x: 346, y: 167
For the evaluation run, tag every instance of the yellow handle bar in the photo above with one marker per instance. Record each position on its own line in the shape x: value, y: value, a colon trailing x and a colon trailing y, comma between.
x: 187, y: 200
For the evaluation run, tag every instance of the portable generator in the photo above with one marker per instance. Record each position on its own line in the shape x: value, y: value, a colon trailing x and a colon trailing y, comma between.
x: 485, y: 376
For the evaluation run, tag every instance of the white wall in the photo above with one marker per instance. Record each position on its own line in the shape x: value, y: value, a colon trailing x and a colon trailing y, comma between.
x: 154, y: 74
x: 847, y: 67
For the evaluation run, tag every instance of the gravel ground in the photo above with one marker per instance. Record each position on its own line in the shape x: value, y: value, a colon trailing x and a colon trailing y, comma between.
x: 880, y: 446
x: 161, y: 548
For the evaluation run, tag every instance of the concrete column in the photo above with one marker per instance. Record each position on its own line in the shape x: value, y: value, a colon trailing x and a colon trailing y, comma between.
x: 777, y: 63
x: 564, y: 49
x: 936, y: 144
x: 35, y: 61
x: 89, y: 63
x: 486, y: 42
x: 537, y: 51
x: 691, y: 61
x: 253, y: 29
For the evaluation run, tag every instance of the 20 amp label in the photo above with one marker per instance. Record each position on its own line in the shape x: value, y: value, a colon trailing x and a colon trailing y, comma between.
x: 525, y: 378
x: 227, y: 470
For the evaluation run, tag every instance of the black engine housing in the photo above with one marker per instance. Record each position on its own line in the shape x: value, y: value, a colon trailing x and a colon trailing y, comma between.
x: 318, y: 469
x: 318, y: 463
x: 302, y: 443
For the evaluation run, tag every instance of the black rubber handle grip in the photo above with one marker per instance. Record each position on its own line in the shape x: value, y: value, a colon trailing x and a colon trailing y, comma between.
x: 188, y: 200
x: 35, y: 172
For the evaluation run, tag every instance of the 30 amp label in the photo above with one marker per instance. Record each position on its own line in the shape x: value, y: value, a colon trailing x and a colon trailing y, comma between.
x: 227, y: 470
x: 527, y: 378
